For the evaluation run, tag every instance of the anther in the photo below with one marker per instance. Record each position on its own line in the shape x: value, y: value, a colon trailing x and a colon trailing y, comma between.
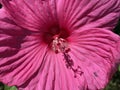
x: 59, y: 45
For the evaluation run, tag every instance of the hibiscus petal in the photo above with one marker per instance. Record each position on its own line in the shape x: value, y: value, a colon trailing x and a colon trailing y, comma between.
x: 55, y: 76
x: 71, y: 14
x: 96, y: 51
x: 18, y: 50
x: 85, y: 14
x: 17, y: 69
x: 31, y: 14
x: 10, y: 35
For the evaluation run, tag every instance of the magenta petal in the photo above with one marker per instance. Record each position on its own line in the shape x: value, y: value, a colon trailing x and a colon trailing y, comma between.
x: 19, y: 52
x: 85, y: 14
x: 7, y: 25
x: 33, y: 15
x: 19, y: 68
x: 10, y: 35
x: 96, y: 51
x: 54, y: 75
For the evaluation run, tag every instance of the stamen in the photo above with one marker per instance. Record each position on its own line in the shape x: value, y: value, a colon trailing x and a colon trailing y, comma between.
x: 59, y: 45
x: 70, y: 64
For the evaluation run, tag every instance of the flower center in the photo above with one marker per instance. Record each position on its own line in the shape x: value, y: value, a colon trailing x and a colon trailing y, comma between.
x: 59, y: 45
x: 56, y: 39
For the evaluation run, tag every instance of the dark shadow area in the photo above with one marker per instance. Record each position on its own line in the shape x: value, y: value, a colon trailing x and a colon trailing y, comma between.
x: 0, y: 5
x: 117, y: 28
x: 1, y: 86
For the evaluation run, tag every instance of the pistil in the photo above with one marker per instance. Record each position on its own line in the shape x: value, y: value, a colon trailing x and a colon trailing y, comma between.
x: 60, y: 45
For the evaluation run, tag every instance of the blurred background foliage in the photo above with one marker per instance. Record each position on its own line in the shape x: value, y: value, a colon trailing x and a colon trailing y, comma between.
x: 113, y: 85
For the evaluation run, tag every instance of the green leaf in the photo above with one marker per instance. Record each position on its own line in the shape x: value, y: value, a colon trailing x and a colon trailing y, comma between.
x: 119, y: 68
x: 9, y: 88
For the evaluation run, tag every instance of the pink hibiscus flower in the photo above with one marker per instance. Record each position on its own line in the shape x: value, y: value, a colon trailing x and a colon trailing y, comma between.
x: 58, y: 44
